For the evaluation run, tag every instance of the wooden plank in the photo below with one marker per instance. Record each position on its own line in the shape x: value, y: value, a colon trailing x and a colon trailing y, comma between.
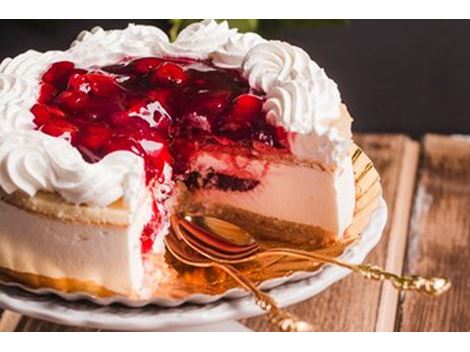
x: 9, y: 321
x: 440, y: 237
x: 354, y: 304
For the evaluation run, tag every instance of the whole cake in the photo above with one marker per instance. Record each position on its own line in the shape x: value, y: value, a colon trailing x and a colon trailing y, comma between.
x: 101, y: 143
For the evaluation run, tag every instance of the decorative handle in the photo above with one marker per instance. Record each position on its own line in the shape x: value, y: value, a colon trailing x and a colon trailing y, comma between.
x: 284, y: 321
x: 433, y: 286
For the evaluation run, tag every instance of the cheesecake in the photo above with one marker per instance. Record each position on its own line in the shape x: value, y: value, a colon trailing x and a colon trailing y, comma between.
x: 102, y: 143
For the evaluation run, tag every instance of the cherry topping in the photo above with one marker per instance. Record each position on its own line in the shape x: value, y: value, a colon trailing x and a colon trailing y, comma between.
x: 239, y: 120
x: 58, y: 74
x: 44, y: 113
x: 94, y: 137
x: 168, y: 74
x: 72, y: 101
x: 47, y: 93
x: 59, y: 128
x: 144, y: 65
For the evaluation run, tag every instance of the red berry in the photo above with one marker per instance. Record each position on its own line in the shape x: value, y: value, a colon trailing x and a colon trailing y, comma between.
x: 47, y: 93
x: 123, y: 143
x: 168, y: 74
x: 118, y: 69
x: 246, y: 108
x: 58, y: 128
x: 72, y: 101
x: 120, y: 118
x: 78, y: 82
x: 44, y: 113
x: 102, y: 85
x: 211, y: 103
x: 58, y: 74
x: 144, y: 65
x: 94, y: 137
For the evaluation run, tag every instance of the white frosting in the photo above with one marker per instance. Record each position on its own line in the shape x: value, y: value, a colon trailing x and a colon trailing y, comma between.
x: 30, y: 161
x: 303, y: 106
x: 198, y: 40
x: 231, y: 55
x: 99, y: 47
x: 300, y: 97
x: 268, y: 64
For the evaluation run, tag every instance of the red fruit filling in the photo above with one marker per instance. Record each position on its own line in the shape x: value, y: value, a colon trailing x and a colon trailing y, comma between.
x: 160, y: 109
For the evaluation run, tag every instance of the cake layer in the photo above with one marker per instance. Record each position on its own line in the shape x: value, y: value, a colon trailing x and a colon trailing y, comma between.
x: 105, y: 255
x: 289, y: 192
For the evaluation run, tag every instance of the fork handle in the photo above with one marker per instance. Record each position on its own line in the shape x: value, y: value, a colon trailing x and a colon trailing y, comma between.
x: 433, y: 286
x: 283, y: 320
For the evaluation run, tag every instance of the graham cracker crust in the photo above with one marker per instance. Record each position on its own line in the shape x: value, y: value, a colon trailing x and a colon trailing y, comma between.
x: 266, y: 229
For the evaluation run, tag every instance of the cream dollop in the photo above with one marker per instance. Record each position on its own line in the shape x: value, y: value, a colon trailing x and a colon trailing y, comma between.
x: 31, y: 64
x: 302, y: 105
x: 198, y: 40
x: 99, y: 47
x: 30, y: 161
x: 268, y: 64
x: 16, y: 94
x: 231, y: 55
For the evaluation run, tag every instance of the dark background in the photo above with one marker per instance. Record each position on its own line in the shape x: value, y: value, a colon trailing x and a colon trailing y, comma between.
x: 408, y: 76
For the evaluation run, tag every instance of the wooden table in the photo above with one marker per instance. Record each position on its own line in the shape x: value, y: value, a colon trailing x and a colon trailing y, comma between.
x: 427, y: 189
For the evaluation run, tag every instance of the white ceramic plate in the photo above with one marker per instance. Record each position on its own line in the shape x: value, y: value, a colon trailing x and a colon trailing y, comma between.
x: 234, y: 304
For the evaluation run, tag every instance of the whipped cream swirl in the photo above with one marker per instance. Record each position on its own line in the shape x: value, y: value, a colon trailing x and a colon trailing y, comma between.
x: 299, y: 97
x: 99, y: 47
x: 301, y: 105
x: 32, y: 162
x: 198, y: 40
x: 266, y: 65
x: 231, y: 55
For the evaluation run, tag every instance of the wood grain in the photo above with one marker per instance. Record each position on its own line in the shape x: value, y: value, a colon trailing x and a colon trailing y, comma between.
x: 440, y: 237
x: 354, y: 304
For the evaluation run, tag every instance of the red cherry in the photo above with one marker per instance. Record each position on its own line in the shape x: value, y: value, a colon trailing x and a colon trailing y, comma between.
x: 72, y: 101
x: 102, y: 85
x: 78, y: 81
x: 58, y: 74
x: 94, y: 137
x: 118, y: 69
x: 168, y: 74
x: 47, y: 93
x: 120, y: 118
x: 44, y: 113
x: 245, y: 109
x: 144, y: 65
x: 123, y: 143
x: 59, y: 128
x: 216, y: 102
